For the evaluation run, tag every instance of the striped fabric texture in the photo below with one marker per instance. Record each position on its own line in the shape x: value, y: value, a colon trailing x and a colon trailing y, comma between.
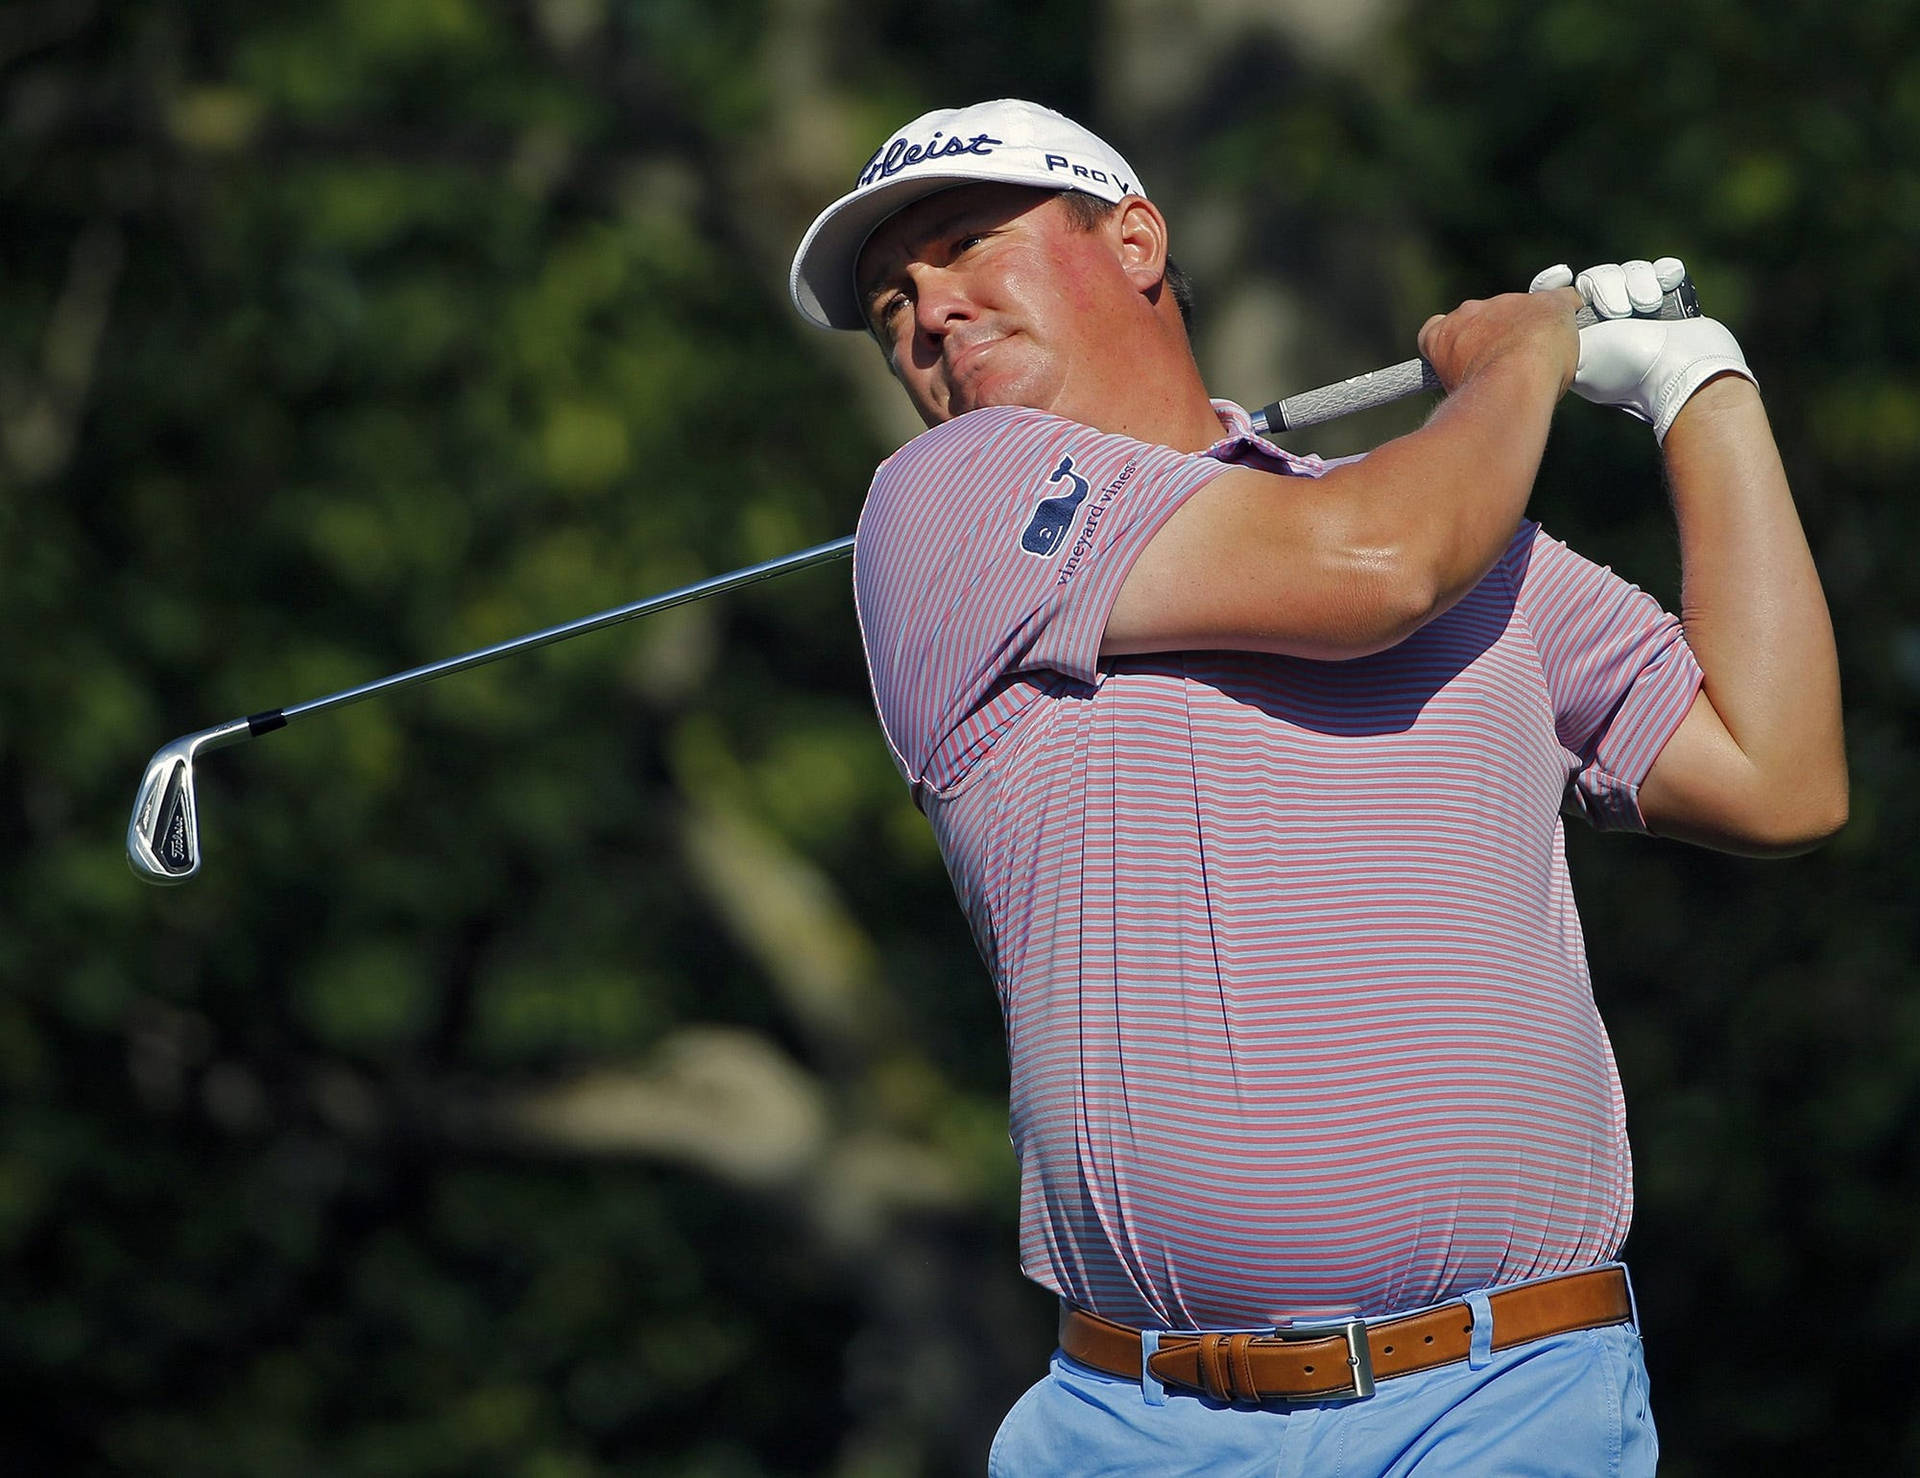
x: 1296, y: 998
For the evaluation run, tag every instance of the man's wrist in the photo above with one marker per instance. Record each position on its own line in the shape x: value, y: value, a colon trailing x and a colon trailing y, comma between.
x: 1525, y: 372
x: 1727, y: 393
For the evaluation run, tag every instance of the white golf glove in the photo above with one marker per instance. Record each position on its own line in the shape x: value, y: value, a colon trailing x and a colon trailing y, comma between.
x: 1647, y: 366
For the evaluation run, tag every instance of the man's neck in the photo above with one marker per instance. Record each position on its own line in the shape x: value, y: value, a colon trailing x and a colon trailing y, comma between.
x: 1160, y: 398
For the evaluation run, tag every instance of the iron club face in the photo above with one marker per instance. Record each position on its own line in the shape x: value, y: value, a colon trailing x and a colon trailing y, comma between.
x: 163, y: 838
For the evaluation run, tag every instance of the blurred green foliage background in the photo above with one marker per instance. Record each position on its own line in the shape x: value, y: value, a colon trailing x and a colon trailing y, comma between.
x: 579, y: 1067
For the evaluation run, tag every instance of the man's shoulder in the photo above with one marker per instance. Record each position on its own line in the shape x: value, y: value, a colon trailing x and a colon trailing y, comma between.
x: 1002, y: 430
x: 1541, y: 565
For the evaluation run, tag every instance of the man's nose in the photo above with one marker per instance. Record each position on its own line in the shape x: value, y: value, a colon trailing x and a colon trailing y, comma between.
x: 939, y: 299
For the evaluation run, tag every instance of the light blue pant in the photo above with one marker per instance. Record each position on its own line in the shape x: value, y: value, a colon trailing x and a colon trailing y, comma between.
x: 1567, y: 1407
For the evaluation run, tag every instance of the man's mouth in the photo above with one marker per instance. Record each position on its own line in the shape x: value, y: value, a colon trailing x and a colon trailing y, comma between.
x: 966, y: 374
x: 966, y: 358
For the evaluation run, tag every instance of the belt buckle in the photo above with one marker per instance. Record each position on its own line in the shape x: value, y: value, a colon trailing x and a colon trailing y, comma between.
x: 1359, y: 1353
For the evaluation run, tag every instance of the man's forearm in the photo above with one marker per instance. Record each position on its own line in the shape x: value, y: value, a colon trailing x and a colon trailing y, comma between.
x: 1375, y: 549
x: 1457, y: 488
x: 1451, y: 494
x: 1754, y: 612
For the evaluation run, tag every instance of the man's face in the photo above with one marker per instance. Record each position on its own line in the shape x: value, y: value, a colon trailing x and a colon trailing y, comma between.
x: 990, y: 295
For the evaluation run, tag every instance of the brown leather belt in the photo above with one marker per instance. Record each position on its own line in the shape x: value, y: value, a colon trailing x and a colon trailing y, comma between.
x: 1342, y: 1360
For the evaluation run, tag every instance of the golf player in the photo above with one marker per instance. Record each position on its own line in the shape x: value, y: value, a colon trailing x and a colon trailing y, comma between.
x: 1249, y: 772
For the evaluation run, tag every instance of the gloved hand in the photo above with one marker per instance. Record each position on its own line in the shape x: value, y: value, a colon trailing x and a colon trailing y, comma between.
x: 1646, y: 366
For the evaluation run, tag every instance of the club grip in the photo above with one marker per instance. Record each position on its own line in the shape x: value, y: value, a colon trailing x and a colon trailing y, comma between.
x: 1384, y: 386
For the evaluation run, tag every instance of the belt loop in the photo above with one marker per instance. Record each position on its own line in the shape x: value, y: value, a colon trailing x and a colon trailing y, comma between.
x: 1480, y: 1347
x: 1633, y: 1303
x: 1151, y: 1391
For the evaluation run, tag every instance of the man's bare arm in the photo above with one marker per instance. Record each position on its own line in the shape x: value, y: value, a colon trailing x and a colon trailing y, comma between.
x: 1358, y: 560
x: 1758, y: 765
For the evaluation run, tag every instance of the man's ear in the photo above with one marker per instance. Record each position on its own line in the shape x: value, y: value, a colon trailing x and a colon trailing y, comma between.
x: 1140, y: 234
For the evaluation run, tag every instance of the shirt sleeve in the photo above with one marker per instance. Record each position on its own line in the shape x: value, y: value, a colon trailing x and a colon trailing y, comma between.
x: 986, y: 561
x: 1618, y: 669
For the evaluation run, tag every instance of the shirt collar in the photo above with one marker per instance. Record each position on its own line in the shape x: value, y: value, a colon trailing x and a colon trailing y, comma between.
x: 1240, y: 444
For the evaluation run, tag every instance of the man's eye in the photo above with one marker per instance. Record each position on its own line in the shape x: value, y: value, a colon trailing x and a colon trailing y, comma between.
x: 885, y: 311
x: 964, y: 243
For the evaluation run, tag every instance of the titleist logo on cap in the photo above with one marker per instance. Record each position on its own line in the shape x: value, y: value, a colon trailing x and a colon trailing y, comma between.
x: 901, y: 154
x: 1007, y: 141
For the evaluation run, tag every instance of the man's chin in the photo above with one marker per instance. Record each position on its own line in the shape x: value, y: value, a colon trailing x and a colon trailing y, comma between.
x: 996, y: 390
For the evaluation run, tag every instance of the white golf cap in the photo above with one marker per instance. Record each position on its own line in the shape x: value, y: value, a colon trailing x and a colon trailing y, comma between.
x: 1007, y: 141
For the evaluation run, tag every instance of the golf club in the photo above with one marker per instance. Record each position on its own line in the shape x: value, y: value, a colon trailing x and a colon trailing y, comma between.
x: 163, y: 836
x: 1384, y: 386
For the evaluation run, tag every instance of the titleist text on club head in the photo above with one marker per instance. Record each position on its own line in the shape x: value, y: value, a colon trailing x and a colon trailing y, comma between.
x: 163, y: 836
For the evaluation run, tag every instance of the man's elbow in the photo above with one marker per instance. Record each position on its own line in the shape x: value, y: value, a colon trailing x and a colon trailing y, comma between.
x: 1368, y: 611
x: 1407, y: 576
x: 1396, y: 592
x: 1812, y: 814
x: 1820, y: 819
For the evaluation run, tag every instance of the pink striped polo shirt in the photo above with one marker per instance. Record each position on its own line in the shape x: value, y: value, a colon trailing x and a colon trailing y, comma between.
x: 1295, y: 994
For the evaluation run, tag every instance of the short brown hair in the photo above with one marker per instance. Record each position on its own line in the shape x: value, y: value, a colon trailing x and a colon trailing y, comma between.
x: 1088, y: 211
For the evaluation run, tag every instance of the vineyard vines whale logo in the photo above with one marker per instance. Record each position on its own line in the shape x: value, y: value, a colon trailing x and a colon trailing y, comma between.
x: 1050, y: 519
x: 901, y: 154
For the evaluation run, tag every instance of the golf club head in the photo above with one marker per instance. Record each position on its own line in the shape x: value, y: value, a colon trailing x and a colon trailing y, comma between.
x: 163, y: 838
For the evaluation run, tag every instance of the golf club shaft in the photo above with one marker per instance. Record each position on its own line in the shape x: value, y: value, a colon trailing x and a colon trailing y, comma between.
x: 163, y: 839
x: 261, y: 723
x: 1310, y: 408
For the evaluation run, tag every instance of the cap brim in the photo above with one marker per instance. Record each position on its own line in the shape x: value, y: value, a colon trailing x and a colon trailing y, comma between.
x: 822, y: 278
